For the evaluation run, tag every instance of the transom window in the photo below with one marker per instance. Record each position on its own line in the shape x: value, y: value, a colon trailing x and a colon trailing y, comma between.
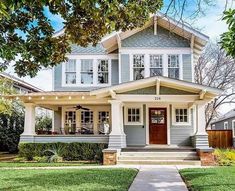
x: 181, y: 115
x: 138, y: 66
x: 87, y: 71
x: 173, y: 66
x: 87, y: 117
x: 103, y: 72
x: 103, y: 116
x: 70, y: 72
x: 225, y: 125
x: 133, y: 115
x: 156, y: 68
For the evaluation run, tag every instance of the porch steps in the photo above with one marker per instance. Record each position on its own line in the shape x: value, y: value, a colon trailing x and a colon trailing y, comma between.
x: 159, y: 157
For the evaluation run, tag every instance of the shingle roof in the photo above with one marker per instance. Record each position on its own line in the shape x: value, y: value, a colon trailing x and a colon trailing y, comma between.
x: 227, y: 115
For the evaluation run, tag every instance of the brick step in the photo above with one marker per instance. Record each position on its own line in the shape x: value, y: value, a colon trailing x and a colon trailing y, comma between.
x: 158, y: 157
x: 159, y: 162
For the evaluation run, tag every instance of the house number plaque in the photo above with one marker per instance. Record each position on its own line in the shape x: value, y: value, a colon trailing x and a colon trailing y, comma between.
x: 157, y: 98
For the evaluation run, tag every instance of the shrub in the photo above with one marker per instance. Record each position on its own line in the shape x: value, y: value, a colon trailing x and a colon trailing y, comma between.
x: 19, y: 159
x: 225, y: 157
x: 43, y: 159
x: 68, y: 151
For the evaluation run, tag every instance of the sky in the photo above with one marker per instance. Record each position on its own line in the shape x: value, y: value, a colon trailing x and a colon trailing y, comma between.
x: 209, y: 24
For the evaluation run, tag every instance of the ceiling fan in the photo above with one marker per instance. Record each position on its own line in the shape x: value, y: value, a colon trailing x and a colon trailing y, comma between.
x: 77, y: 107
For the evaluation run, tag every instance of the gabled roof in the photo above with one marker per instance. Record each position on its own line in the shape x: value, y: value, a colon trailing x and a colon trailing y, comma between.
x: 227, y: 115
x: 19, y: 82
x: 164, y: 81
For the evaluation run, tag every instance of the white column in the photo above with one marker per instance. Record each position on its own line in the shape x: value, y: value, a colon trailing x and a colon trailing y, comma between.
x: 117, y: 137
x: 29, y: 122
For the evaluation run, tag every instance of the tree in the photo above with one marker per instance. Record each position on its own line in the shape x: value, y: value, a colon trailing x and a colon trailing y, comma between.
x: 214, y: 68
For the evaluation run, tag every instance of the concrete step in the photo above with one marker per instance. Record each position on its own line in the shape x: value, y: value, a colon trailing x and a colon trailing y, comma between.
x: 159, y: 149
x: 195, y: 157
x: 159, y: 162
x: 163, y: 154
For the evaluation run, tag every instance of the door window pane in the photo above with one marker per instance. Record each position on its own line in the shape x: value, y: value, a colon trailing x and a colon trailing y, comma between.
x: 158, y: 116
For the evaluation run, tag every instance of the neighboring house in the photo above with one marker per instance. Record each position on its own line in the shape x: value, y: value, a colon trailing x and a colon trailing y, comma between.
x: 19, y: 85
x: 135, y: 88
x: 226, y: 122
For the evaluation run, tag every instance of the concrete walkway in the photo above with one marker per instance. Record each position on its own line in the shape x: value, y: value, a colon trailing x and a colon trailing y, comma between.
x: 164, y: 178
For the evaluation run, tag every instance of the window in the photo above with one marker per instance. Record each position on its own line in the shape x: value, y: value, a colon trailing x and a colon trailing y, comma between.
x: 156, y: 68
x: 133, y: 115
x: 87, y: 117
x: 86, y: 71
x: 225, y: 125
x: 213, y: 127
x: 138, y: 67
x: 181, y: 115
x: 173, y: 66
x: 103, y: 72
x: 70, y: 72
x: 103, y: 116
x: 70, y: 118
x: 233, y: 125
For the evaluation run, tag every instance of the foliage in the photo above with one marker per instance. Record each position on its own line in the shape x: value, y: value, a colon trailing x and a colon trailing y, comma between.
x: 209, y: 179
x: 43, y: 159
x: 43, y: 122
x: 228, y: 38
x: 225, y: 157
x: 55, y: 154
x: 69, y: 151
x: 26, y: 34
x: 11, y: 126
x: 118, y: 179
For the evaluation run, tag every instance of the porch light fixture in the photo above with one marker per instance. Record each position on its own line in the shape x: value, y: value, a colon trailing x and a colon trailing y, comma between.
x: 17, y: 98
x: 83, y: 97
x: 56, y: 97
x: 70, y: 97
x: 29, y: 98
x: 43, y: 98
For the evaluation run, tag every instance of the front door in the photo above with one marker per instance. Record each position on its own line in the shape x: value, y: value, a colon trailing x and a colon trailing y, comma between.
x: 157, y: 126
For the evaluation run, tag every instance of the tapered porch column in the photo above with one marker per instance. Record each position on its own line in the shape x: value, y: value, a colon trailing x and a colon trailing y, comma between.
x: 29, y: 121
x: 117, y: 137
x: 201, y: 136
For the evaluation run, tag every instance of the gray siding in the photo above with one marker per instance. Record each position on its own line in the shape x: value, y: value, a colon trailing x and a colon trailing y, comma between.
x: 220, y: 124
x: 187, y: 67
x: 98, y: 49
x: 181, y: 135
x: 147, y: 39
x: 125, y: 68
x: 115, y: 72
x: 136, y: 134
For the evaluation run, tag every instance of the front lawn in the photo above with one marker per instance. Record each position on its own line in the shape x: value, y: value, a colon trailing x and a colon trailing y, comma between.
x: 37, y: 164
x: 69, y: 179
x: 210, y: 179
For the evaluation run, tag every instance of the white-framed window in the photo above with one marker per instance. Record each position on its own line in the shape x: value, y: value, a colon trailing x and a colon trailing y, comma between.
x: 156, y: 65
x: 233, y: 127
x: 180, y: 115
x: 103, y: 71
x: 138, y: 66
x: 86, y: 117
x: 225, y: 125
x: 86, y: 71
x: 173, y: 66
x: 70, y: 71
x: 213, y: 127
x: 133, y: 115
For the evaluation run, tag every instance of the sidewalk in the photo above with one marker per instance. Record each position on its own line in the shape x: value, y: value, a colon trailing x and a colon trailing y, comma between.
x: 164, y: 178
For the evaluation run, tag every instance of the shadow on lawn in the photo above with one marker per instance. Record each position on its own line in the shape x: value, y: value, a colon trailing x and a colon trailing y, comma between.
x: 71, y: 180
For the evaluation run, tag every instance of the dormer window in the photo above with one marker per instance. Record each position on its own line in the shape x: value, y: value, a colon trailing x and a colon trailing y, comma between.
x: 103, y: 72
x: 173, y: 66
x: 156, y: 67
x: 87, y: 71
x: 138, y: 66
x: 70, y: 72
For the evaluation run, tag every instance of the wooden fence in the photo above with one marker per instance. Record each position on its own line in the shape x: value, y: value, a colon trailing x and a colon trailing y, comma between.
x: 220, y: 138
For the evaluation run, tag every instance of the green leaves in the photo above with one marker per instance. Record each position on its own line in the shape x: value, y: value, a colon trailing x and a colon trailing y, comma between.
x: 26, y: 34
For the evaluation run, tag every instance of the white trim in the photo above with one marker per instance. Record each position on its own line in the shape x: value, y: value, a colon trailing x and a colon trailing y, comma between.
x: 141, y: 50
x: 226, y: 123
x: 130, y: 106
x: 233, y: 127
x: 181, y: 106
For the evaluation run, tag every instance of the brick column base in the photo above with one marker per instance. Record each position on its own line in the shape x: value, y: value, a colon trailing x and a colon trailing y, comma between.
x: 109, y: 157
x: 206, y: 156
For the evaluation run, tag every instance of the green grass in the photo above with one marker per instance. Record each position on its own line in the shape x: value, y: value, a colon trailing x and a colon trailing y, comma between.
x: 35, y: 164
x: 210, y: 179
x: 69, y: 179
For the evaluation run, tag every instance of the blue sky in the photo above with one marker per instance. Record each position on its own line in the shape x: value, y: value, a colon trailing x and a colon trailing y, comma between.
x: 209, y: 24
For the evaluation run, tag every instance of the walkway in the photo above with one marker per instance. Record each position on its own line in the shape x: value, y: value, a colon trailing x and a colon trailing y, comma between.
x: 164, y: 178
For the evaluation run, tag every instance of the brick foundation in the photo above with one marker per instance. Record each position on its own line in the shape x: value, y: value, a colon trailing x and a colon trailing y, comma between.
x: 206, y: 156
x: 109, y: 157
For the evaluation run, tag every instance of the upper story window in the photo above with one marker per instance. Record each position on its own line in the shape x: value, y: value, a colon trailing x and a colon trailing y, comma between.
x: 156, y: 67
x: 138, y: 66
x: 86, y: 71
x: 103, y: 72
x: 70, y: 72
x: 173, y: 66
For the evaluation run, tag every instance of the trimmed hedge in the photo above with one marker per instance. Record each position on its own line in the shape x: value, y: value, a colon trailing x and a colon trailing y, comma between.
x: 69, y: 151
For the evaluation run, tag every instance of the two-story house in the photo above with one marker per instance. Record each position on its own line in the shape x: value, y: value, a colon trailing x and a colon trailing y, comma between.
x: 134, y: 88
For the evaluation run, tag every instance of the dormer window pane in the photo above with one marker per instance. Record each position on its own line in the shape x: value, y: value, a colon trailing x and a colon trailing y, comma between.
x: 156, y: 68
x: 173, y: 66
x: 86, y: 71
x: 103, y: 72
x: 70, y: 71
x: 138, y: 66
